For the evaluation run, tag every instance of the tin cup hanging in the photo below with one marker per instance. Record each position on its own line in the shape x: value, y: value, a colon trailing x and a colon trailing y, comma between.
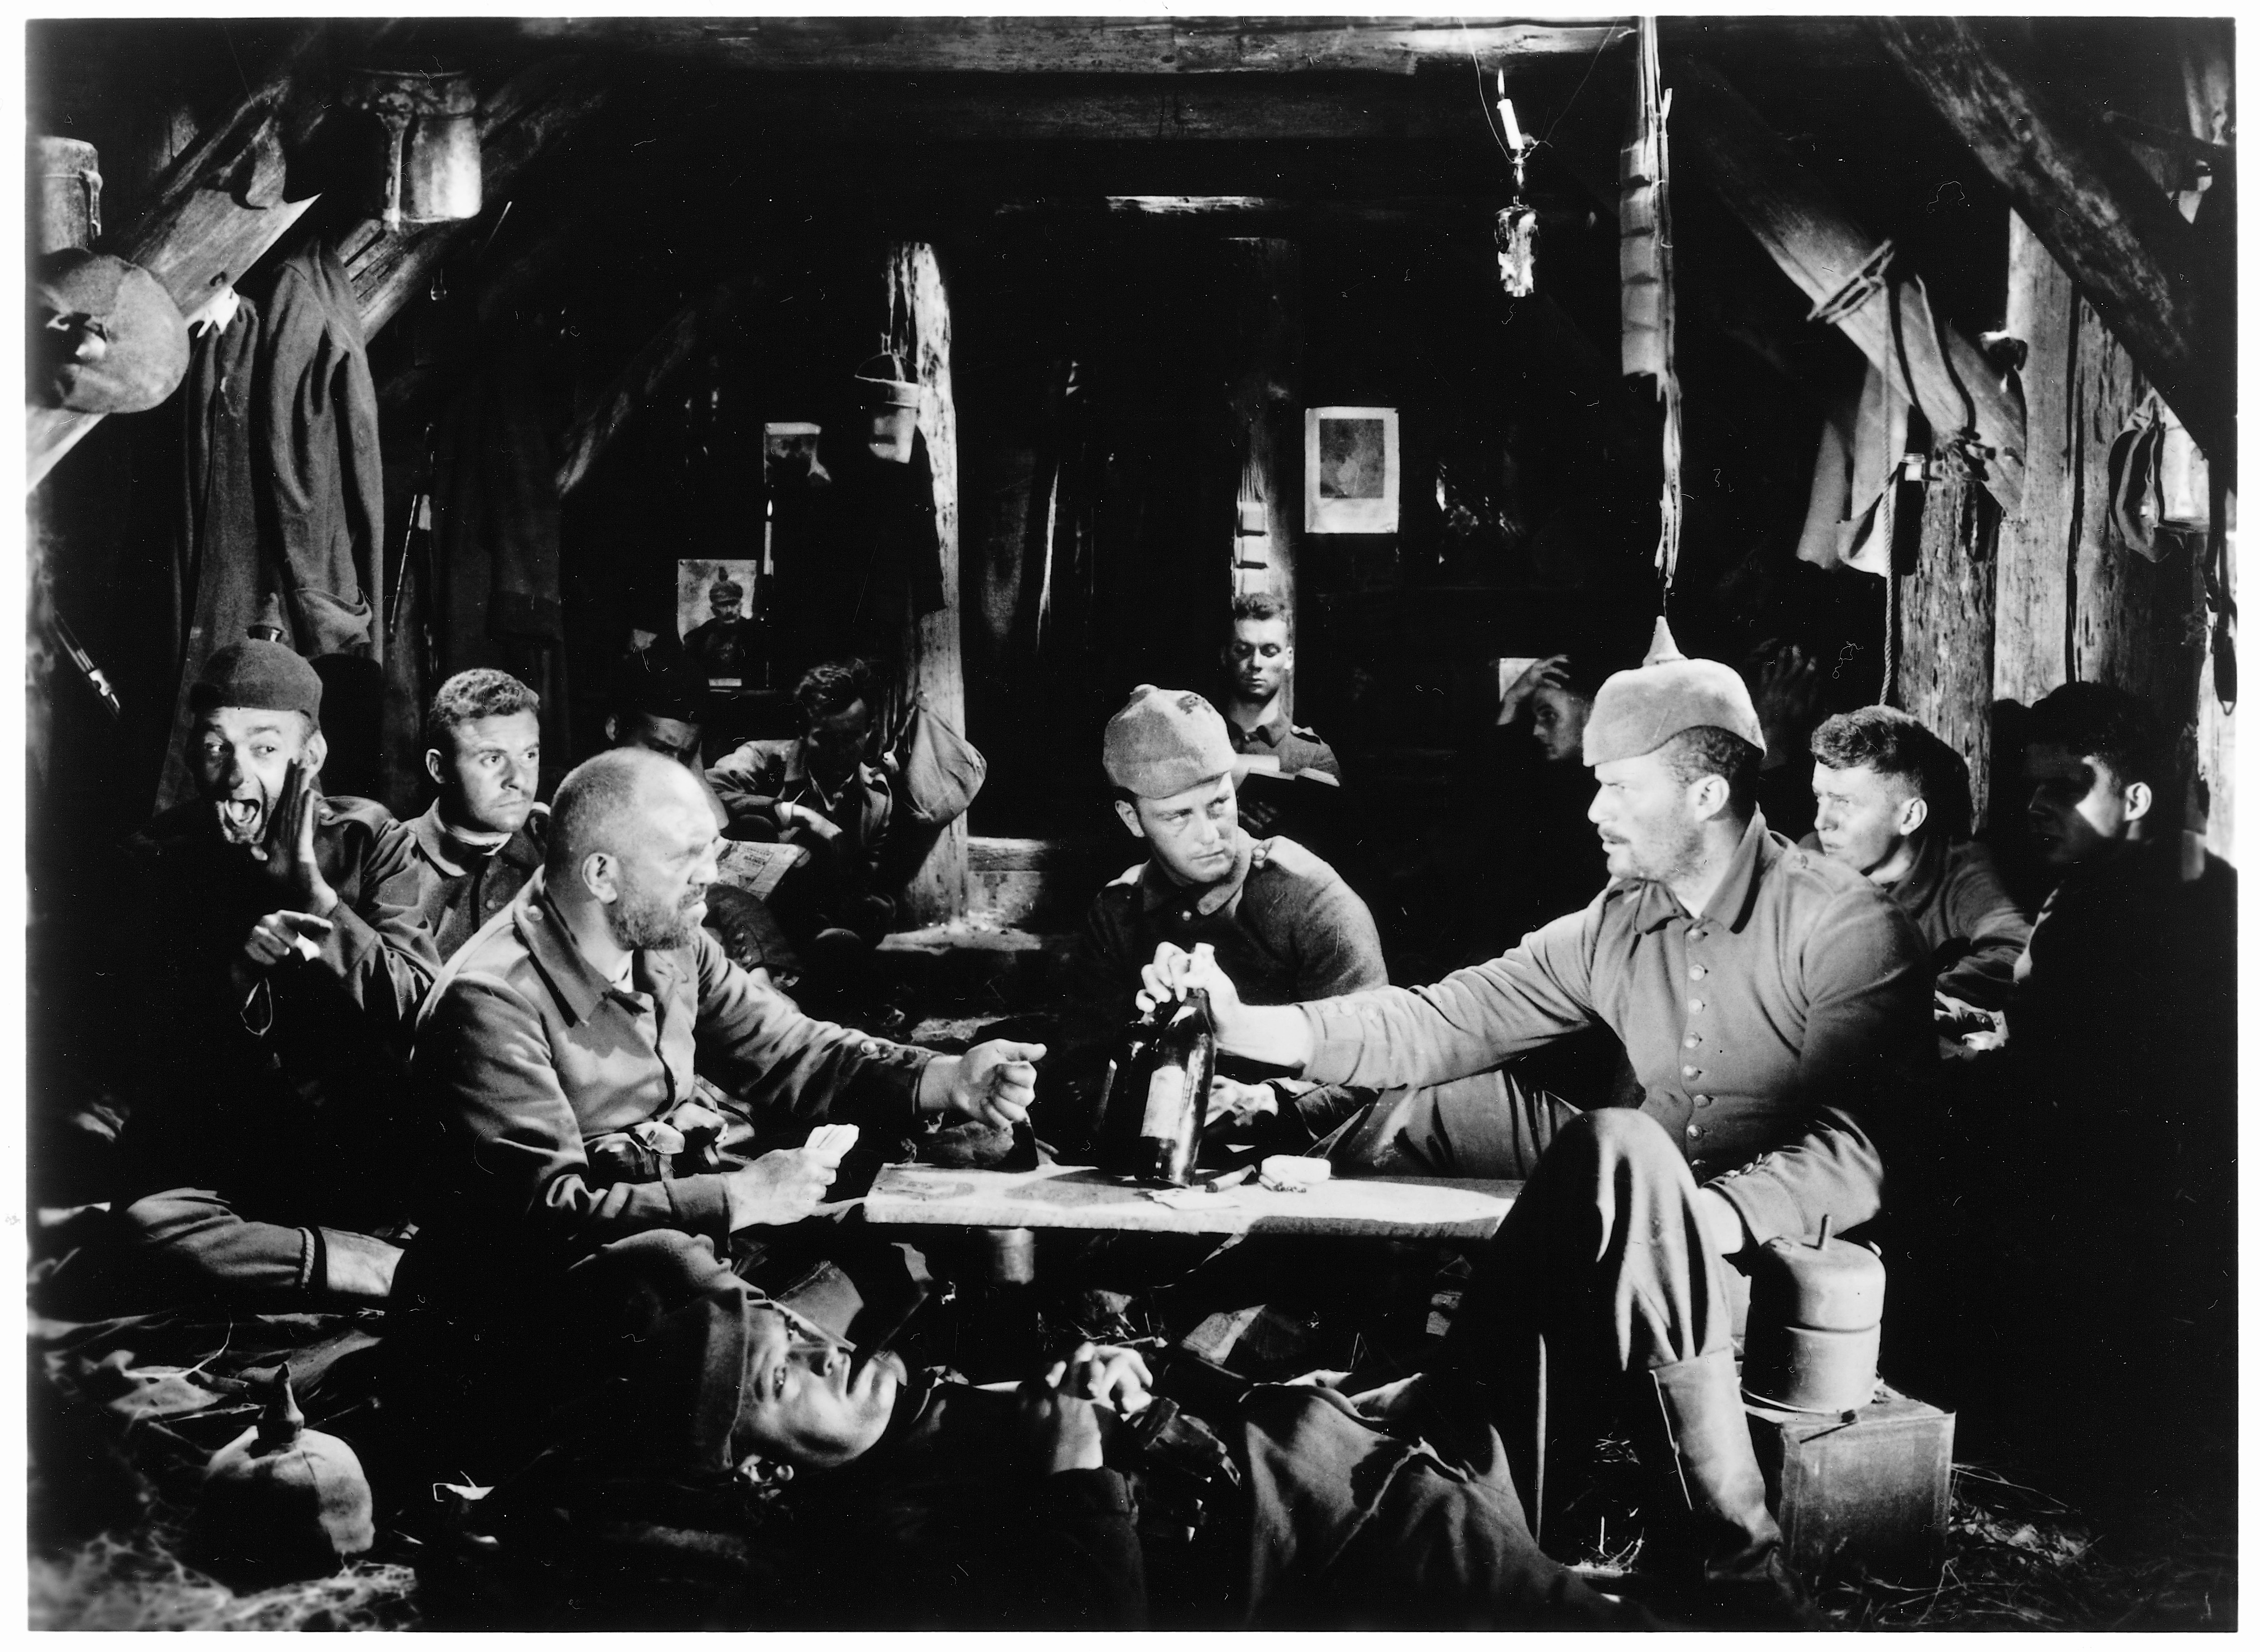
x: 891, y: 407
x: 428, y: 124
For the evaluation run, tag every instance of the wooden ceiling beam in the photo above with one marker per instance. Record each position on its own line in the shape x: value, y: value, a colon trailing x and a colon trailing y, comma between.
x: 1082, y: 45
x: 2098, y: 213
x: 1821, y: 247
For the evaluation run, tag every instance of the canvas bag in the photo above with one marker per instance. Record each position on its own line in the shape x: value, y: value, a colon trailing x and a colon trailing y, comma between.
x: 941, y: 772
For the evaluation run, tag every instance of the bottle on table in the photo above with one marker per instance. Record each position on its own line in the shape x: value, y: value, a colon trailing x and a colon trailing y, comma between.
x: 1156, y: 1097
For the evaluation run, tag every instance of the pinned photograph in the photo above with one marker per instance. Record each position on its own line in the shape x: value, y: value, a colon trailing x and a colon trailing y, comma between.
x: 1351, y: 473
x: 713, y: 603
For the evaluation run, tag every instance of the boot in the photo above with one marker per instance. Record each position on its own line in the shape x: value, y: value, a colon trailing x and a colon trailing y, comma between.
x: 1741, y: 1578
x: 356, y: 1268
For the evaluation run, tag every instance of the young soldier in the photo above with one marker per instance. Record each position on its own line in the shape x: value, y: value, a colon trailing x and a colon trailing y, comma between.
x: 1281, y: 920
x: 1893, y: 805
x: 485, y: 833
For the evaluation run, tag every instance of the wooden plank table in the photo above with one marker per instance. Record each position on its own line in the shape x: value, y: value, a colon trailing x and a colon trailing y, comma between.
x: 1078, y: 1197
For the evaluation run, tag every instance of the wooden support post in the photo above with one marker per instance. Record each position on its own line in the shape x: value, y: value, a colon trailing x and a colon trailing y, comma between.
x: 1946, y: 622
x: 2040, y: 541
x: 1264, y: 301
x: 918, y: 329
x: 641, y: 379
x: 2088, y: 609
x: 200, y: 230
x: 1821, y: 247
x: 2091, y: 204
x: 527, y: 113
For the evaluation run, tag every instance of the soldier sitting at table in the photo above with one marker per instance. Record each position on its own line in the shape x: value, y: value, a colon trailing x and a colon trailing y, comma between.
x: 1775, y: 1007
x: 1281, y: 919
x: 576, y: 1218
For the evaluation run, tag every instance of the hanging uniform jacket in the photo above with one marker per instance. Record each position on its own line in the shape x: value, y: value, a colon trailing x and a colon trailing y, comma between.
x: 284, y: 489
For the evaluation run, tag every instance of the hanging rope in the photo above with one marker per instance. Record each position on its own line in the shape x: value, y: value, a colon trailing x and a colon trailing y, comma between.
x: 1891, y: 628
x: 1644, y: 275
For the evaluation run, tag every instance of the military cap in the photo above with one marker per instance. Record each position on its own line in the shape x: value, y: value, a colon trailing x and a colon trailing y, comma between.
x: 258, y: 676
x: 726, y: 590
x: 1166, y: 741
x: 1667, y: 693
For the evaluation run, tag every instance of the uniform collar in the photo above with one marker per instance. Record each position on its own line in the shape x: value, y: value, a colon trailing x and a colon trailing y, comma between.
x: 452, y: 854
x: 1732, y: 902
x: 575, y: 983
x: 1270, y: 732
x: 797, y: 771
x: 1160, y: 889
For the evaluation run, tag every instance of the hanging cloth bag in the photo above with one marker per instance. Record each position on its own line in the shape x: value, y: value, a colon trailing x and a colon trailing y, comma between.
x: 941, y: 772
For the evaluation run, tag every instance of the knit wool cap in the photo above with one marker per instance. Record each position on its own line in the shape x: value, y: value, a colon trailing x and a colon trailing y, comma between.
x: 1669, y: 693
x: 258, y: 676
x: 1166, y: 741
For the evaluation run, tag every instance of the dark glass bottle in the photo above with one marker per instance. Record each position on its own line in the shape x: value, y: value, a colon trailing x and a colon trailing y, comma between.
x: 1168, y: 1094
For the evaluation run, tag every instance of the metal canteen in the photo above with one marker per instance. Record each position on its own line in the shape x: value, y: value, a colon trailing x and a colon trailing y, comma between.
x: 430, y: 125
x: 1815, y: 1325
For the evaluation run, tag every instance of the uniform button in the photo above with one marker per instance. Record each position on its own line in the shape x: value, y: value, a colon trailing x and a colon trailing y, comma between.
x: 1702, y: 1100
x: 1690, y: 1072
x: 1694, y: 1130
x: 1187, y: 916
x: 1695, y: 1004
x: 1696, y: 972
x: 1696, y: 1162
x: 1691, y: 1040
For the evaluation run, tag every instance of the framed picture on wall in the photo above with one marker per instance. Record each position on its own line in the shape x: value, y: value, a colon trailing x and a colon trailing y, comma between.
x: 1350, y: 470
x: 713, y: 603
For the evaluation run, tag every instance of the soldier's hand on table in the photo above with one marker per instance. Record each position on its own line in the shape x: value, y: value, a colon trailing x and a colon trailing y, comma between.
x: 1061, y: 1431
x: 994, y: 1082
x: 287, y: 852
x: 779, y: 1189
x: 1116, y: 1376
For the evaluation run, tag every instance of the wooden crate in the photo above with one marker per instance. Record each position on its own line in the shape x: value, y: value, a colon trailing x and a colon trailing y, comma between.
x: 1869, y: 1492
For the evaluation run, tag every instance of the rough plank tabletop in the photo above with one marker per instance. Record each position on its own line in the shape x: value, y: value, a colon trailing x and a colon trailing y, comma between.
x: 1076, y: 1196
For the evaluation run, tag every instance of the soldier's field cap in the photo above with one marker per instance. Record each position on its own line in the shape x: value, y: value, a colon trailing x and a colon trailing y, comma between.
x: 1166, y: 741
x: 1667, y: 693
x: 259, y: 677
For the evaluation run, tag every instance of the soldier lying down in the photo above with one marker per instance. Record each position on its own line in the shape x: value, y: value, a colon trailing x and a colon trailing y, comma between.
x: 1024, y: 1508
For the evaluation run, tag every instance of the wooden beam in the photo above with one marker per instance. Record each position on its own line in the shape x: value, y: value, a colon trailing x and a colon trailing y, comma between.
x: 2040, y: 540
x: 1184, y: 46
x: 918, y: 330
x: 1820, y: 246
x: 2092, y: 205
x: 528, y: 113
x: 641, y: 380
x: 1081, y: 46
x: 1946, y: 623
x: 199, y: 232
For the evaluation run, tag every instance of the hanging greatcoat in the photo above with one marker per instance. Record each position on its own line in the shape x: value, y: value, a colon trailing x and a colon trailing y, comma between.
x: 284, y: 489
